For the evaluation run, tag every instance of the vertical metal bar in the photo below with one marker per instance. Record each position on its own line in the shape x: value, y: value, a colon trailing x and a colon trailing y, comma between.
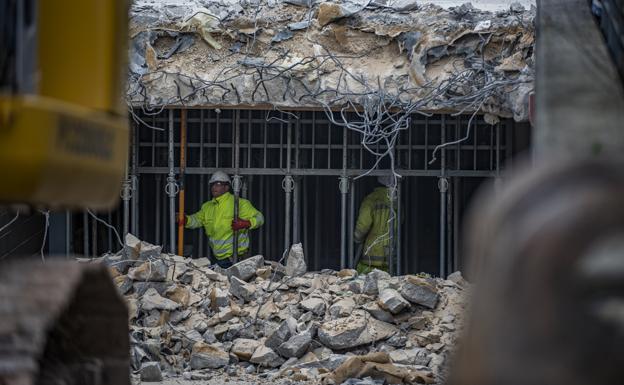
x: 85, y: 233
x: 317, y: 224
x: 218, y: 136
x: 157, y: 208
x: 351, y: 223
x: 498, y: 150
x: 296, y: 211
x: 458, y: 147
x: 171, y: 187
x: 329, y: 142
x: 281, y: 136
x: 491, y: 146
x: 306, y: 222
x: 237, y: 179
x: 153, y: 152
x: 200, y: 252
x: 182, y: 182
x: 263, y: 206
x: 249, y: 140
x: 264, y: 152
x: 456, y: 202
x: 443, y: 187
x: 344, y: 190
x: 399, y: 243
x: 409, y: 145
x: 288, y: 186
x: 135, y: 182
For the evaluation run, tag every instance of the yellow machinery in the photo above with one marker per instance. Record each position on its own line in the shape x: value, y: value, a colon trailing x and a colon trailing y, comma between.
x: 63, y: 143
x: 63, y: 123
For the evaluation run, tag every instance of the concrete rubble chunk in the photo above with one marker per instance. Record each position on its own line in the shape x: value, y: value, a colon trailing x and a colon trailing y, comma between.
x: 179, y: 294
x: 148, y: 251
x: 218, y: 298
x: 152, y: 300
x: 246, y: 269
x: 370, y: 284
x: 241, y: 289
x: 265, y: 356
x: 208, y: 356
x: 244, y: 348
x: 416, y: 356
x: 131, y: 248
x: 360, y: 328
x: 282, y: 333
x: 315, y: 305
x: 342, y: 308
x: 155, y: 271
x: 150, y: 372
x: 296, y: 345
x: 391, y: 300
x: 419, y: 291
x: 295, y: 262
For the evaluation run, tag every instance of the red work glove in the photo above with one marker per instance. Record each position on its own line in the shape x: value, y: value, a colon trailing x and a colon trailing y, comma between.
x: 182, y: 221
x: 239, y: 224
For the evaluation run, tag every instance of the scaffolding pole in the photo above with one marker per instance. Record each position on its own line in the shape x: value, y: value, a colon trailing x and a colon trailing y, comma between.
x: 171, y: 188
x: 399, y: 264
x: 181, y: 196
x: 344, y: 190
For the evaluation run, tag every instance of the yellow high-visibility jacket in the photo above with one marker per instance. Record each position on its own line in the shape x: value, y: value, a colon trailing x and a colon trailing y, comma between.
x: 373, y: 225
x: 216, y: 215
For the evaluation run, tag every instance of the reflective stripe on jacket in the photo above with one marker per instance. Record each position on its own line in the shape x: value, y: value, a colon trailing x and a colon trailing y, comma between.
x: 372, y: 224
x: 216, y: 215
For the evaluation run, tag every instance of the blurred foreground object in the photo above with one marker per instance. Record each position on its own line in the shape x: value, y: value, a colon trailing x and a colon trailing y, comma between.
x: 63, y: 123
x: 549, y: 303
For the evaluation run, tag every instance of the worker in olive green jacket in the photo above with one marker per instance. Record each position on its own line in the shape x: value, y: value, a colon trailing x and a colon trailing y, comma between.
x: 217, y: 218
x: 373, y: 228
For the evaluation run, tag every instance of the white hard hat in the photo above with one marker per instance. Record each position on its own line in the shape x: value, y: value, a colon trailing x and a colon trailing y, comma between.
x: 386, y: 180
x: 219, y: 176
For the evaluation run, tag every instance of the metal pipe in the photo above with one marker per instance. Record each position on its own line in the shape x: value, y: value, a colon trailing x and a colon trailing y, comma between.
x: 317, y: 224
x: 443, y: 187
x: 134, y: 180
x: 399, y: 244
x: 456, y: 248
x: 288, y: 185
x: 181, y: 196
x: 94, y: 243
x: 351, y: 222
x: 343, y: 186
x: 305, y: 223
x: 171, y: 188
x: 236, y: 180
x: 157, y: 211
x: 126, y: 193
x: 296, y: 210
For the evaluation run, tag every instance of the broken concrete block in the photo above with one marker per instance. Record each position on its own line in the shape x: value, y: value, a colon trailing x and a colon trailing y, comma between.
x: 265, y: 356
x: 296, y: 345
x: 315, y: 305
x: 200, y: 262
x: 241, y: 289
x: 342, y: 308
x: 295, y: 262
x: 419, y: 291
x: 391, y: 300
x: 357, y: 329
x: 131, y: 247
x: 150, y: 372
x: 148, y: 251
x: 123, y: 283
x: 154, y: 271
x: 179, y: 294
x: 370, y: 284
x: 246, y: 269
x: 282, y: 333
x: 244, y: 348
x: 414, y: 356
x: 141, y: 287
x: 218, y: 298
x: 208, y: 356
x: 152, y: 300
x: 347, y: 273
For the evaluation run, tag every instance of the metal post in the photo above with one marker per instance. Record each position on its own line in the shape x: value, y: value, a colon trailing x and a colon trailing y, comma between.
x: 157, y: 211
x: 296, y: 210
x: 182, y: 181
x: 399, y: 244
x: 134, y: 180
x: 236, y: 182
x: 287, y: 185
x: 305, y: 225
x: 172, y: 188
x: 443, y: 187
x: 343, y: 186
x: 351, y: 222
x: 456, y: 248
x: 126, y: 193
x: 94, y: 242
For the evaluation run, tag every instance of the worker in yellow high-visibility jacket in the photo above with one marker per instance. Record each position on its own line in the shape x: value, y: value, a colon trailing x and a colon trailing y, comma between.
x: 217, y: 218
x: 373, y: 228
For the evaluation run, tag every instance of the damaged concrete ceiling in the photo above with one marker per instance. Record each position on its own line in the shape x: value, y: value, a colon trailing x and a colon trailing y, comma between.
x: 401, y: 54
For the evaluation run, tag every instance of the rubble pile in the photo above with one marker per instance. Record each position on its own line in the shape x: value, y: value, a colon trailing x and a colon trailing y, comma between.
x: 192, y: 320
